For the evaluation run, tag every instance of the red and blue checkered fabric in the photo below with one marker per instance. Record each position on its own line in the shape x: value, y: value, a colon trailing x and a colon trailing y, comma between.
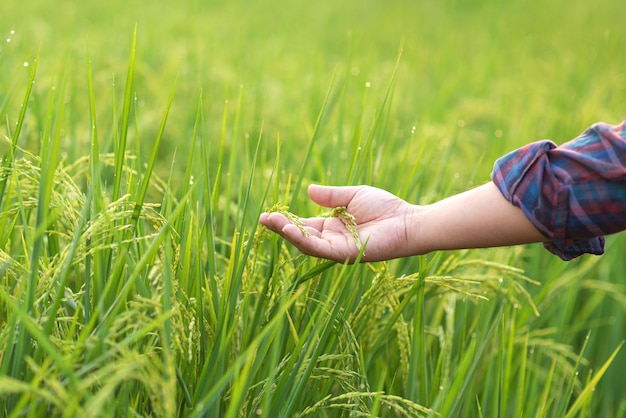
x: 574, y: 194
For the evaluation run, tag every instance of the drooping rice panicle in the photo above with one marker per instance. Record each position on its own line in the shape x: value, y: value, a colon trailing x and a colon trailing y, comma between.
x: 349, y: 221
x: 294, y: 219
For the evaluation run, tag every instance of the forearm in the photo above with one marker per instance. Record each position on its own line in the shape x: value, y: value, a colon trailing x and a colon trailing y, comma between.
x: 478, y: 218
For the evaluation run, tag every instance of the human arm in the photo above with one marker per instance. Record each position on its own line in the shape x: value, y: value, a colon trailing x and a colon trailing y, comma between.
x: 568, y: 197
x: 394, y: 228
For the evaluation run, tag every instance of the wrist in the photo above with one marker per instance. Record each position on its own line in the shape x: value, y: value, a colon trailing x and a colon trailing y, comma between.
x: 416, y: 230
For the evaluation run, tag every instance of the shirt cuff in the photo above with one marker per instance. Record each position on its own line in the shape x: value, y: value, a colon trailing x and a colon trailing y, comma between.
x: 526, y: 179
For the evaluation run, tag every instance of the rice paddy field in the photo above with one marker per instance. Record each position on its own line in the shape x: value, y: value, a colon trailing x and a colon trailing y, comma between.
x: 140, y: 142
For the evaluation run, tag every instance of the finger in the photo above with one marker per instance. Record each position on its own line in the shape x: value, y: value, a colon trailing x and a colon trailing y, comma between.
x: 277, y: 221
x: 263, y: 218
x: 312, y: 244
x: 274, y: 221
x: 332, y: 196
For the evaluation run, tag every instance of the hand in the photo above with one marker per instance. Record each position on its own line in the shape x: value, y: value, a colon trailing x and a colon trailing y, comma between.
x: 383, y: 223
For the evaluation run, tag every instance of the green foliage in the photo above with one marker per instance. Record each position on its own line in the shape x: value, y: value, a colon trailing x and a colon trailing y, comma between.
x: 135, y: 280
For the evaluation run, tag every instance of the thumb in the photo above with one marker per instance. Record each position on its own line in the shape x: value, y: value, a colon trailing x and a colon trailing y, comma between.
x: 332, y: 196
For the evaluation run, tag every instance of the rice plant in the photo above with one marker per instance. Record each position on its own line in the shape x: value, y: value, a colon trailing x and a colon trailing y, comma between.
x: 136, y: 281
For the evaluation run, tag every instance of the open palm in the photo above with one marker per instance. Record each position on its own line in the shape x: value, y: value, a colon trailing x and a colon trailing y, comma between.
x: 382, y: 222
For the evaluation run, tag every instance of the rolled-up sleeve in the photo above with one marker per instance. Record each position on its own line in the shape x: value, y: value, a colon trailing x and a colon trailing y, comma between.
x: 574, y: 194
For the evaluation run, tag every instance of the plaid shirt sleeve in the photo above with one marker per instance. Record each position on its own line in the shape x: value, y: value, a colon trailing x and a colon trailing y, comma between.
x: 573, y: 194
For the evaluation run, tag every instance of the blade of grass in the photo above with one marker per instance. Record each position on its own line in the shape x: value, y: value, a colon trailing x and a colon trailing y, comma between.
x: 257, y: 348
x: 572, y: 380
x: 312, y: 142
x: 587, y: 392
x: 232, y: 284
x: 41, y: 337
x: 358, y: 162
x: 119, y: 266
x: 61, y: 279
x: 120, y: 147
x: 49, y: 158
x: 469, y: 361
x: 522, y: 388
x: 546, y: 402
x: 208, y: 203
x: 261, y: 302
x: 188, y: 179
x: 8, y: 159
x: 231, y: 169
x: 316, y: 347
x: 312, y: 342
x: 146, y: 258
x: 145, y: 183
x: 95, y: 192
